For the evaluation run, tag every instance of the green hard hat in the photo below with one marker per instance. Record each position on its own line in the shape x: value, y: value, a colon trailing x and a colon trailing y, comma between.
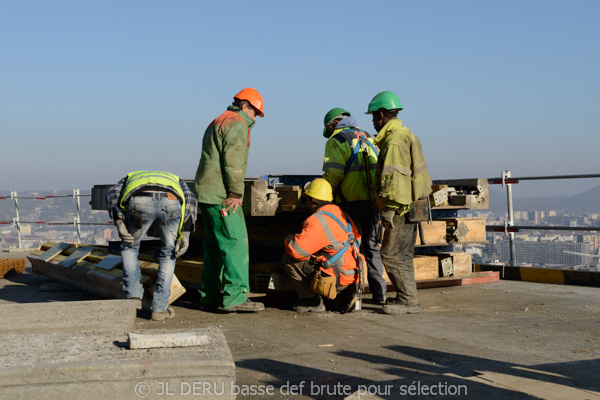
x: 386, y: 100
x: 331, y: 115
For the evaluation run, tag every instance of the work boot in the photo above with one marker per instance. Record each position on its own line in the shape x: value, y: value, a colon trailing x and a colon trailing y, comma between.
x: 393, y: 307
x: 247, y: 306
x: 161, y: 316
x: 312, y: 304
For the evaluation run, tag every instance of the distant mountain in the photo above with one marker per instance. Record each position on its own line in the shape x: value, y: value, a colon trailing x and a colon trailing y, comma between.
x: 586, y: 202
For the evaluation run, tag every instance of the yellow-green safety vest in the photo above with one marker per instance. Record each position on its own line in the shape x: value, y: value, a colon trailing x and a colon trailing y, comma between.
x: 142, y: 178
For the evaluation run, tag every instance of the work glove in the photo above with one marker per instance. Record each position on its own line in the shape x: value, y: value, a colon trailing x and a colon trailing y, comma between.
x: 182, y: 244
x: 124, y: 234
x: 387, y: 219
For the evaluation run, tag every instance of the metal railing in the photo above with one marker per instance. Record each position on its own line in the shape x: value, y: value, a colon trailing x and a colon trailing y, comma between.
x: 76, y: 221
x: 509, y: 229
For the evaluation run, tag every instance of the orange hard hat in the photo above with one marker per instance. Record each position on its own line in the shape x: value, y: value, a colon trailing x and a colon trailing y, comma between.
x: 252, y: 96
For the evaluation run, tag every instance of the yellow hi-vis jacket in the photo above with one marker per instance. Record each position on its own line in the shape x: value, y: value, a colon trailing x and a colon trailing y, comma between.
x: 137, y: 179
x: 401, y: 176
x: 350, y: 184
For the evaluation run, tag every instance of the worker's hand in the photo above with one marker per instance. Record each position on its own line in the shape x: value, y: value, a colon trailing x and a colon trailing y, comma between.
x: 387, y: 219
x: 232, y: 202
x: 182, y: 244
x: 380, y: 206
x: 124, y: 234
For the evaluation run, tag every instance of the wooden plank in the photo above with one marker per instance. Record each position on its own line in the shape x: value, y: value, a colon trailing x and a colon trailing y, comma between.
x: 177, y: 289
x: 474, y: 278
x: 79, y: 254
x: 434, y: 233
x: 189, y: 271
x: 426, y: 267
x: 462, y: 262
x: 476, y: 229
x: 102, y: 285
x: 54, y: 251
x: 109, y: 262
x: 78, y: 271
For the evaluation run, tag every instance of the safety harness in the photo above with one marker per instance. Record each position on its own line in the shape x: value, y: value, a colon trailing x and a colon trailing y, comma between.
x: 361, y: 145
x: 331, y: 262
x: 363, y: 141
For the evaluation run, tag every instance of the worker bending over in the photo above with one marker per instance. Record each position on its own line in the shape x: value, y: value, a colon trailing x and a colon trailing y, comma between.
x: 145, y: 199
x: 324, y: 258
x: 219, y: 187
x: 401, y: 178
x: 349, y: 166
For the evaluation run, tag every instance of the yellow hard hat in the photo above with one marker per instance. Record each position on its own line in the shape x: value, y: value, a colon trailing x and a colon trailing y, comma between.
x: 320, y: 189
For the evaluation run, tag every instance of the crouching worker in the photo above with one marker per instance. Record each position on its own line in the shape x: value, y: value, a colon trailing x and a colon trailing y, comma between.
x: 324, y: 259
x: 145, y: 199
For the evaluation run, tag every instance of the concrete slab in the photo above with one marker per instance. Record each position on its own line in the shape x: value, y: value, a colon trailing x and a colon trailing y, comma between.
x: 97, y: 366
x: 68, y: 316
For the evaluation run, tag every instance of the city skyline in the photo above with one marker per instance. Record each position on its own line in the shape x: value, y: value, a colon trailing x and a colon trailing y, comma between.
x: 92, y: 91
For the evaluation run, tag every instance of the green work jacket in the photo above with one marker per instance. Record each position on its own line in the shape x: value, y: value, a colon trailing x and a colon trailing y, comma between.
x: 224, y: 159
x: 351, y: 185
x: 401, y: 176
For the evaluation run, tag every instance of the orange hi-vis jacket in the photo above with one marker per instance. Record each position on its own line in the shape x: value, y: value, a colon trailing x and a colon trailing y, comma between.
x: 322, y: 237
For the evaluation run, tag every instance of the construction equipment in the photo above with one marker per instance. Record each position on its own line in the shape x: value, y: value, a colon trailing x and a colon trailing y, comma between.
x: 274, y: 206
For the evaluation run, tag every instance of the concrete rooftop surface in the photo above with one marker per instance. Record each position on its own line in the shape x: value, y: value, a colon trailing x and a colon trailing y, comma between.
x: 503, y: 340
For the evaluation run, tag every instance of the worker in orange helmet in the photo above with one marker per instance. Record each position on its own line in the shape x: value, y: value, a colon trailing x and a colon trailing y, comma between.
x: 219, y: 187
x: 324, y: 259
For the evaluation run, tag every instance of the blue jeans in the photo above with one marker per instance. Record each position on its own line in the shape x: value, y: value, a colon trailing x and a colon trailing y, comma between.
x: 142, y: 213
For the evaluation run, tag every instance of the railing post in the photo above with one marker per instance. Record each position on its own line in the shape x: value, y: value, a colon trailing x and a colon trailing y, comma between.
x: 78, y: 217
x: 511, y: 217
x: 13, y: 195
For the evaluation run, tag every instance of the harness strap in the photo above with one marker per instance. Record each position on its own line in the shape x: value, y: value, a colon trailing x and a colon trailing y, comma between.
x: 362, y: 140
x: 332, y: 261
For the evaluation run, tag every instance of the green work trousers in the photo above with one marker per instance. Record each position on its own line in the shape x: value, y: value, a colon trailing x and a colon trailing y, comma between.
x: 225, y: 256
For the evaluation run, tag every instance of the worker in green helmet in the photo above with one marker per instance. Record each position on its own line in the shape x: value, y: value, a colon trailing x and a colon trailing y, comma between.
x: 349, y: 166
x: 401, y: 178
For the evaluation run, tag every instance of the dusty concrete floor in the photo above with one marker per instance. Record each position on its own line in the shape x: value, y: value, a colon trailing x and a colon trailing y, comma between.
x: 460, y: 329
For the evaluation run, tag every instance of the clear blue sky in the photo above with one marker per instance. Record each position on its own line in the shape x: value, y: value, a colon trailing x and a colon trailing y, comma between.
x: 90, y: 90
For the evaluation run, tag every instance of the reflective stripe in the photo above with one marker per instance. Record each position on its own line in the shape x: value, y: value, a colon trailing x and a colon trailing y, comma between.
x: 348, y: 271
x: 347, y: 135
x: 358, y: 168
x: 394, y: 168
x: 299, y: 249
x: 420, y: 169
x: 152, y: 174
x: 334, y: 243
x: 333, y: 165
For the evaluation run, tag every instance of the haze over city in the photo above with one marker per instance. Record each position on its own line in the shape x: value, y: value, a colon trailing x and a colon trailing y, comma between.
x: 93, y: 90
